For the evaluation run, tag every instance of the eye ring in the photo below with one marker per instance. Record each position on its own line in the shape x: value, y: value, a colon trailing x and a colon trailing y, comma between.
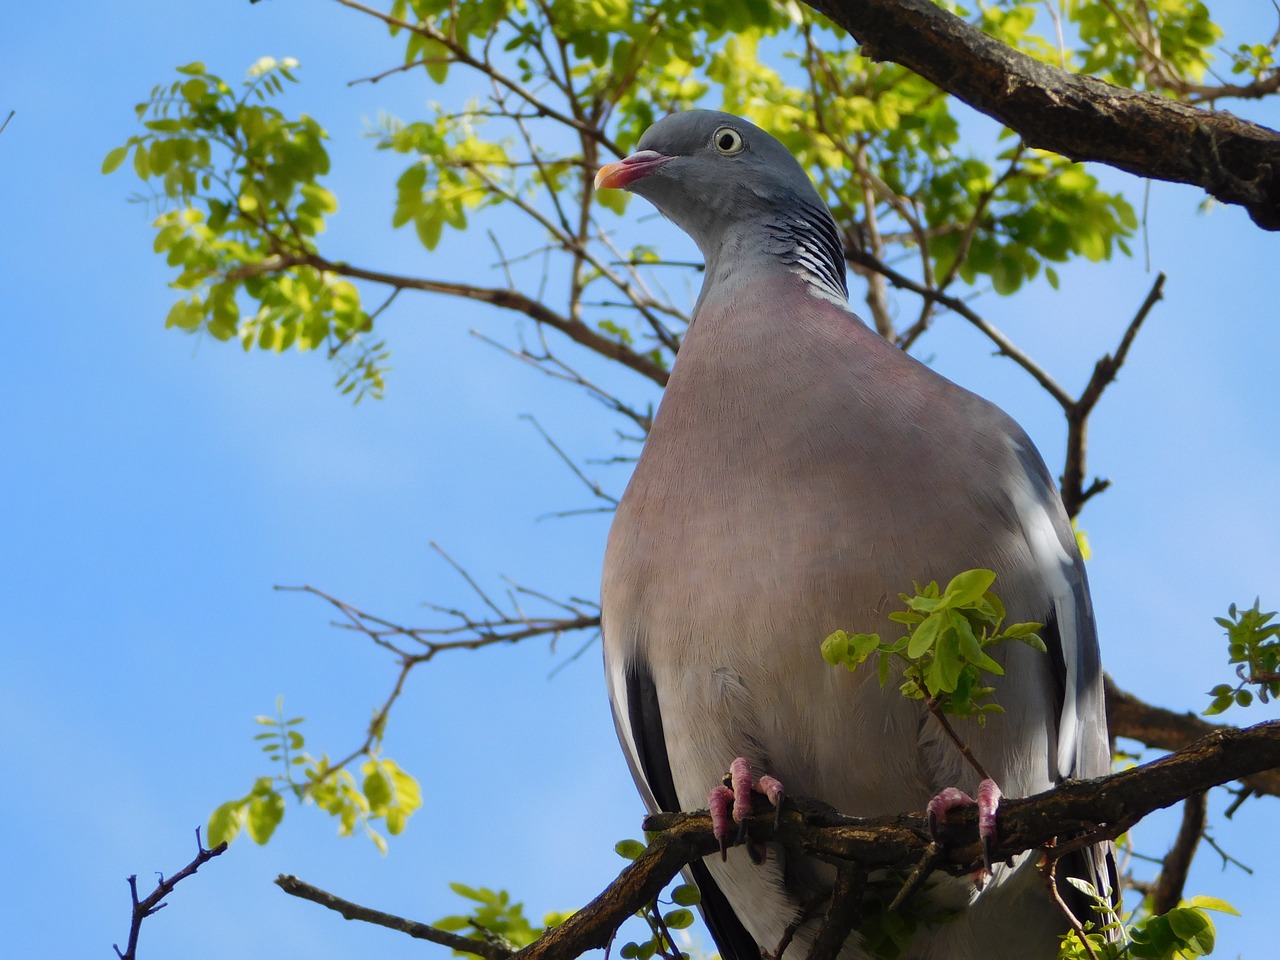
x: 728, y: 141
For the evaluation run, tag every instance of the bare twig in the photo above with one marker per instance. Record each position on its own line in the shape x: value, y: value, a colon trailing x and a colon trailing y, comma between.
x: 468, y: 633
x: 154, y: 902
x: 955, y: 738
x: 1074, y: 493
x: 1051, y: 884
x: 1003, y: 344
x: 597, y: 491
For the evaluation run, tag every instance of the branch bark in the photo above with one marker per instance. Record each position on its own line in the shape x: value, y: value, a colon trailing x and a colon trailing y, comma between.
x: 1079, y: 117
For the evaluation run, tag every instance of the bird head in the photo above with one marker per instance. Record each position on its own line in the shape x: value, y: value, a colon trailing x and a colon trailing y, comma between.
x: 717, y: 176
x: 707, y: 170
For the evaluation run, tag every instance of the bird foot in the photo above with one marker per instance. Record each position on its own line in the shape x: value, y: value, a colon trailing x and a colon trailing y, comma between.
x: 988, y: 804
x: 731, y: 803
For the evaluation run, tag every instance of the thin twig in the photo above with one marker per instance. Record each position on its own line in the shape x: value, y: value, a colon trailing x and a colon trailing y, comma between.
x: 1074, y: 493
x: 1051, y: 883
x: 419, y: 931
x: 932, y: 704
x: 468, y: 633
x: 154, y: 902
x: 1005, y: 346
x: 596, y: 490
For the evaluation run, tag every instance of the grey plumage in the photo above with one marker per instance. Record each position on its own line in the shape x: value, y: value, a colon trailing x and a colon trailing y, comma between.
x: 800, y: 472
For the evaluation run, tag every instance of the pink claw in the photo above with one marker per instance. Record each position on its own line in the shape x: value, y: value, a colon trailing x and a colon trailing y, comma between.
x: 988, y: 807
x: 740, y: 779
x: 946, y: 801
x: 988, y: 804
x: 718, y: 803
x: 771, y: 787
x: 738, y: 794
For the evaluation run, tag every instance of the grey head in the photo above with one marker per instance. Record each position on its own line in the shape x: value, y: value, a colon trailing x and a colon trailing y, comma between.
x: 726, y: 182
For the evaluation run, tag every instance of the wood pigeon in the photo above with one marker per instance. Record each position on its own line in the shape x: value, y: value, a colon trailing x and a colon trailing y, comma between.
x: 800, y: 472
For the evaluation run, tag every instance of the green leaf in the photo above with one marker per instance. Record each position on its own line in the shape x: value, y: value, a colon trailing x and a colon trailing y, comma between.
x: 679, y: 919
x: 686, y: 895
x: 225, y: 822
x: 1193, y: 928
x: 923, y: 639
x: 629, y: 849
x: 835, y: 648
x: 114, y: 158
x: 141, y: 163
x: 264, y: 814
x: 614, y: 200
x: 1213, y: 903
x: 966, y: 589
x: 377, y: 790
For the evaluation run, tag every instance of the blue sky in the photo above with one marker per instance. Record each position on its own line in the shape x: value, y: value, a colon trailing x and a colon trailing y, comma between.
x: 156, y: 486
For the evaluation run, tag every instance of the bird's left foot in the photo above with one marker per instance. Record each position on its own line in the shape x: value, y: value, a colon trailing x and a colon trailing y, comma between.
x: 988, y: 804
x: 731, y: 803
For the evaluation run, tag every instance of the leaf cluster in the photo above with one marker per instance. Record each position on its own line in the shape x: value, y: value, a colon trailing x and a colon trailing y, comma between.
x: 1253, y: 642
x: 385, y: 791
x: 943, y: 654
x: 241, y: 205
x: 1185, y: 932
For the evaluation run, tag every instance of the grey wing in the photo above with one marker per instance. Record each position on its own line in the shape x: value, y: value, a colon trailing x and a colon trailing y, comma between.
x: 1084, y: 747
x: 638, y: 718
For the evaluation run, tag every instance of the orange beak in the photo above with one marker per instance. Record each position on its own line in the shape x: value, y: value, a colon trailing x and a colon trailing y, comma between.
x: 617, y: 176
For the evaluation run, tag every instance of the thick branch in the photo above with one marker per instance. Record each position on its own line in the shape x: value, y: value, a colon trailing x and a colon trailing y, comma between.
x: 1077, y: 812
x: 1080, y: 117
x: 1164, y: 729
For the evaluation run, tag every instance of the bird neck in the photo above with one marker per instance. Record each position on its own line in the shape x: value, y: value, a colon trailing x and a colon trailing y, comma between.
x: 803, y: 241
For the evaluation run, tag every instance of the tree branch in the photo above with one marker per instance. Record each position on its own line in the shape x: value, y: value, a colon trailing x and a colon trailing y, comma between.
x: 1079, y: 812
x: 1079, y: 117
x: 1162, y: 729
x: 419, y: 931
x: 504, y: 298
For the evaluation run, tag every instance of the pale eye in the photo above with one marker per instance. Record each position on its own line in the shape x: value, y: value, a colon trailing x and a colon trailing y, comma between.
x: 728, y: 141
